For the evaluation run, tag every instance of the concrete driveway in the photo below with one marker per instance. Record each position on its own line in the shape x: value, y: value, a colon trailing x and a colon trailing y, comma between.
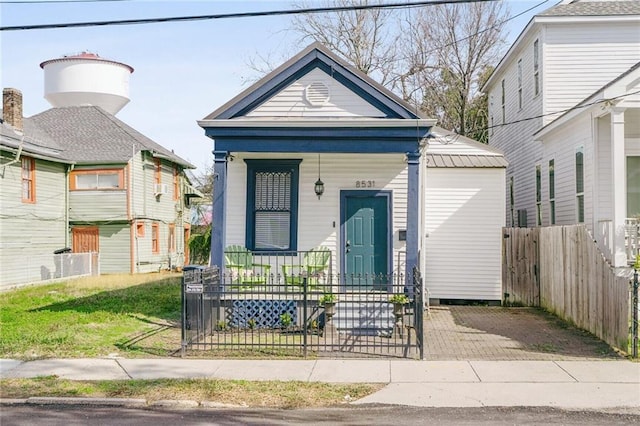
x: 498, y: 333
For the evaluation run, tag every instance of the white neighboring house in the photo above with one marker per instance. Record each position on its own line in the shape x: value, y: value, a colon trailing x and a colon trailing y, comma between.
x: 563, y: 105
x: 431, y: 199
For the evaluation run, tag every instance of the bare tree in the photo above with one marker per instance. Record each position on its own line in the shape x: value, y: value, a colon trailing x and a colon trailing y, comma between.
x: 367, y: 38
x: 464, y: 40
x: 434, y: 57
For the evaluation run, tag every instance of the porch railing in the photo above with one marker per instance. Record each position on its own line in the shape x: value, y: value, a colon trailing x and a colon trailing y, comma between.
x: 328, y: 315
x: 632, y: 239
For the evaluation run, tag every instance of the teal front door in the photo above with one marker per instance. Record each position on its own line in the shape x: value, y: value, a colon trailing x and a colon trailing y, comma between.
x: 366, y: 239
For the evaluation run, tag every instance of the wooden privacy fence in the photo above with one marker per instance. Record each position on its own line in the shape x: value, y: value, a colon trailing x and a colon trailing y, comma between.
x: 560, y: 269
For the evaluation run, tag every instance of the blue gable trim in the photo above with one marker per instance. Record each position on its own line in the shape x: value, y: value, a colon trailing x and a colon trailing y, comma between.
x: 317, y: 59
x: 296, y: 139
x: 365, y: 146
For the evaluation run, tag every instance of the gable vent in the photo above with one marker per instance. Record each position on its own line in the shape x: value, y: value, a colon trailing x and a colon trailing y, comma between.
x: 317, y: 93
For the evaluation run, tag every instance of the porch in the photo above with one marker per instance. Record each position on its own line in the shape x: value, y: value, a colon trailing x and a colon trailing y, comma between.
x: 632, y: 239
x: 337, y: 316
x: 605, y: 236
x: 319, y: 266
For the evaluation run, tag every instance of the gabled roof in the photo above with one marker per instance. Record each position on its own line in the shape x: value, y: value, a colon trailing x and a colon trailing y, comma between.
x: 90, y: 135
x: 569, y: 12
x: 594, y: 8
x: 314, y: 56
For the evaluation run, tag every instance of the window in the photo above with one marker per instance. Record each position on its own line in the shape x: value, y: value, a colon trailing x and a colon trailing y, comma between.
x: 520, y: 84
x: 272, y: 204
x: 504, y: 114
x: 176, y: 184
x: 538, y: 195
x: 157, y: 175
x: 172, y: 238
x: 83, y: 180
x: 140, y: 229
x: 511, y: 202
x: 580, y: 184
x: 155, y: 238
x: 536, y: 68
x: 28, y: 180
x: 552, y: 192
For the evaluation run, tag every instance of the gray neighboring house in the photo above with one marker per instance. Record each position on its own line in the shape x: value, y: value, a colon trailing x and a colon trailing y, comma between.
x: 107, y: 187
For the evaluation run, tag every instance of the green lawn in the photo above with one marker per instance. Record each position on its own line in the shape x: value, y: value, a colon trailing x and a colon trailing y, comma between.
x: 274, y: 394
x: 131, y: 315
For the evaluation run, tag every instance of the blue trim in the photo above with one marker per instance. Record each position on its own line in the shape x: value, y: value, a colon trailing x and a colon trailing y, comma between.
x: 218, y: 209
x: 338, y: 70
x: 345, y: 146
x: 351, y: 193
x: 410, y: 131
x: 254, y: 166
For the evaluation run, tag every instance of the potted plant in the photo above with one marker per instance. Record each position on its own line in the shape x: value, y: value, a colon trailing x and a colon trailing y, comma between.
x: 328, y: 301
x: 398, y: 300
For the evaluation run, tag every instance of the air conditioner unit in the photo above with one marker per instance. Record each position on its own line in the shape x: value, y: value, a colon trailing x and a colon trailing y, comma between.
x: 160, y: 188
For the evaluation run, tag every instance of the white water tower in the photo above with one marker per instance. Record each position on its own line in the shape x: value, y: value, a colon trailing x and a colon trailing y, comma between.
x: 86, y: 79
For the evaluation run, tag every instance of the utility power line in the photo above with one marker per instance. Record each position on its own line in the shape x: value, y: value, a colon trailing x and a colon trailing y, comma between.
x: 56, y: 1
x: 561, y: 112
x: 401, y: 5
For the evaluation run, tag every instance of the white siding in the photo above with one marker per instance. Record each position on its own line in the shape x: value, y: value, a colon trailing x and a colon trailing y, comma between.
x: 562, y: 147
x: 451, y: 144
x: 29, y: 231
x: 319, y: 219
x: 576, y: 60
x: 464, y: 223
x: 580, y: 59
x: 516, y: 139
x: 290, y: 102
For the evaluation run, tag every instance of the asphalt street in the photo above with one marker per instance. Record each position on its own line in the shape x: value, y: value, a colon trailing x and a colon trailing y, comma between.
x: 68, y: 415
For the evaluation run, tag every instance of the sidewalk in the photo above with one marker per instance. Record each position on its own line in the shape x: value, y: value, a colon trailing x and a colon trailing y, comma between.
x: 562, y: 384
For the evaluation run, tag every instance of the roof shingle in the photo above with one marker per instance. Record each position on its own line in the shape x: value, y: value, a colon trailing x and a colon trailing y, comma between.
x: 594, y: 8
x: 90, y: 135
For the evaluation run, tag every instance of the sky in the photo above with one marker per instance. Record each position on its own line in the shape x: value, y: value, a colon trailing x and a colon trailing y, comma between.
x: 182, y: 70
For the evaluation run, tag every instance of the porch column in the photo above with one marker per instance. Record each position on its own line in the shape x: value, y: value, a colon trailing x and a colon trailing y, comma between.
x: 413, y: 214
x: 619, y: 187
x: 218, y: 219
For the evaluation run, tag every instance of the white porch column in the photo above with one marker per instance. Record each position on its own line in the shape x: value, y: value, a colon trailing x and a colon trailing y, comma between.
x: 619, y: 187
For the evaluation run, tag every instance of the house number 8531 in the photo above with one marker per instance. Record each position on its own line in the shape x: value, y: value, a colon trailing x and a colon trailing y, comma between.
x: 365, y: 183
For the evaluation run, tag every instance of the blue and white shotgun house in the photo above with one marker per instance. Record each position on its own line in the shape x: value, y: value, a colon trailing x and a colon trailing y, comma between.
x: 317, y: 154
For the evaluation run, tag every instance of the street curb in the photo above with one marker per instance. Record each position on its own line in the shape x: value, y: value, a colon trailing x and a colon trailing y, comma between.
x: 117, y: 402
x: 111, y: 402
x: 12, y: 401
x: 174, y: 403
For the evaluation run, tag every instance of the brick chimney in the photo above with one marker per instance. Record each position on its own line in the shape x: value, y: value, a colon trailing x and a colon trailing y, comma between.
x: 12, y: 107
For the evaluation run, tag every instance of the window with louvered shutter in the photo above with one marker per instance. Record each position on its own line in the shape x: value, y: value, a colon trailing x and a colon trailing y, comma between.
x: 272, y: 204
x: 272, y: 210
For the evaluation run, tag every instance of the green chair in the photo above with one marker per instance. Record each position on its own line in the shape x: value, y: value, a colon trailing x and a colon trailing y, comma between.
x: 239, y: 261
x: 313, y: 266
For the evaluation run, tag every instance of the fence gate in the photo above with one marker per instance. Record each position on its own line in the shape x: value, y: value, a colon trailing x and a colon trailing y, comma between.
x: 228, y: 315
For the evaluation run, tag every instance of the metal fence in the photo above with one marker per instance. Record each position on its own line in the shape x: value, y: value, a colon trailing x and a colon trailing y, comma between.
x: 48, y: 267
x: 303, y: 316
